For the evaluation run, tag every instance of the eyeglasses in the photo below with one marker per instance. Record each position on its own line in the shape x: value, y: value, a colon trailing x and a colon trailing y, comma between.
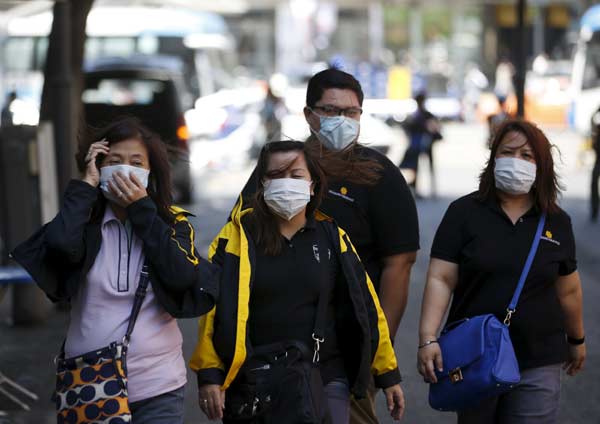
x: 353, y: 112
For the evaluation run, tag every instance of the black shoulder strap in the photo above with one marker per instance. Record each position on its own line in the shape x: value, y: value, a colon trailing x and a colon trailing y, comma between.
x: 140, y: 295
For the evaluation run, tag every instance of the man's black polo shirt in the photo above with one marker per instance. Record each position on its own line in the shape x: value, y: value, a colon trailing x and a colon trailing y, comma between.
x: 491, y: 253
x: 381, y: 220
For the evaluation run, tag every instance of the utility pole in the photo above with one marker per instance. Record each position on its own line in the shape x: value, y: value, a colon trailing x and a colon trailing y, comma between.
x: 57, y: 100
x: 61, y: 96
x: 521, y: 53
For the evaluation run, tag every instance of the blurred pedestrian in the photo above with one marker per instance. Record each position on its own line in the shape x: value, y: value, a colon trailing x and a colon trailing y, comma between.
x: 274, y: 109
x: 380, y: 217
x: 307, y: 288
x: 114, y: 224
x: 595, y: 136
x: 497, y: 119
x: 423, y: 130
x: 477, y: 256
x: 505, y: 72
x: 474, y: 83
x: 7, y: 111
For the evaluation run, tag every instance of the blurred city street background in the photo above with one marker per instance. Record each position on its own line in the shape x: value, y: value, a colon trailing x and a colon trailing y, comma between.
x: 218, y: 79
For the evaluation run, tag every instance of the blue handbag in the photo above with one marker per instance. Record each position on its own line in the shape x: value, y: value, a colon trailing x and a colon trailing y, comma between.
x: 478, y: 355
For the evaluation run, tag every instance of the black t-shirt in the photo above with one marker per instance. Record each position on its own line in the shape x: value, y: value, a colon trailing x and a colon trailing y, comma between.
x: 491, y: 252
x: 285, y: 294
x: 381, y: 220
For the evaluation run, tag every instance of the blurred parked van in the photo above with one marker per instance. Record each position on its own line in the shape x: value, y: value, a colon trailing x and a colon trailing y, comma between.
x: 148, y: 88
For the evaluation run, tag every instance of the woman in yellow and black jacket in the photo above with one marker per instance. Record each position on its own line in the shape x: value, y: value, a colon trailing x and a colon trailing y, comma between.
x: 276, y: 259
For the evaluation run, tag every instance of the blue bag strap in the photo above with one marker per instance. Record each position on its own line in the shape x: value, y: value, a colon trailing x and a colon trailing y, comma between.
x: 534, y: 246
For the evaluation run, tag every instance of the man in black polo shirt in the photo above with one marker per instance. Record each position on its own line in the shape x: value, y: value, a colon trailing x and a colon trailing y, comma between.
x: 380, y: 219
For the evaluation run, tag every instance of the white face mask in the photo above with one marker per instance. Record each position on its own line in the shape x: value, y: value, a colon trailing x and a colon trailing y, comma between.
x: 106, y: 175
x: 287, y: 197
x: 514, y: 176
x: 337, y: 132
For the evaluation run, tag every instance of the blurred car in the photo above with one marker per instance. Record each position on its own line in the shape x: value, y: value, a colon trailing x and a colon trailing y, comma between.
x: 223, y: 127
x: 442, y: 100
x: 151, y: 89
x: 547, y: 97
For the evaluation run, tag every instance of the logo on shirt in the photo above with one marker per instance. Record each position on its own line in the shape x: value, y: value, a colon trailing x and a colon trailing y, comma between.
x: 316, y: 253
x: 342, y: 193
x: 548, y: 237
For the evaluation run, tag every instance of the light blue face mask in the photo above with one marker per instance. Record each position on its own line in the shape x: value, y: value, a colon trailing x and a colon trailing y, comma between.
x: 337, y: 132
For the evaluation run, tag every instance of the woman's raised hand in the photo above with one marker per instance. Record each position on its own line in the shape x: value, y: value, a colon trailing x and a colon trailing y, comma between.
x: 92, y: 174
x: 128, y: 189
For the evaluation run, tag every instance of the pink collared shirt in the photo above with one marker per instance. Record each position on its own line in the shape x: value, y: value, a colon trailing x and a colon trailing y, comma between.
x: 100, y: 314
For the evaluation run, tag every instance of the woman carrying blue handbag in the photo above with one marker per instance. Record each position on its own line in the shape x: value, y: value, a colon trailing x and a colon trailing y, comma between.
x: 505, y: 256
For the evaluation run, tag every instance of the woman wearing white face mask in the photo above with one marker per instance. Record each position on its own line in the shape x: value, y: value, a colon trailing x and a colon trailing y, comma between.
x: 478, y: 254
x: 293, y: 292
x: 117, y: 219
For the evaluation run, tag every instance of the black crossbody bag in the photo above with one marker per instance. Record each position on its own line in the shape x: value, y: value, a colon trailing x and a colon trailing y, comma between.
x: 93, y: 387
x: 281, y: 382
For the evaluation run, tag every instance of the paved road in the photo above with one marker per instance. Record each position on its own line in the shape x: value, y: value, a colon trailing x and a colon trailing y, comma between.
x: 27, y: 353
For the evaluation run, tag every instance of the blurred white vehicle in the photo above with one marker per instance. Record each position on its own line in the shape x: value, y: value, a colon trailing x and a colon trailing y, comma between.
x: 585, y: 79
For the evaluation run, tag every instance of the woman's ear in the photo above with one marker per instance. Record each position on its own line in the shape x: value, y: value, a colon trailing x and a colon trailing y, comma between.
x: 312, y: 188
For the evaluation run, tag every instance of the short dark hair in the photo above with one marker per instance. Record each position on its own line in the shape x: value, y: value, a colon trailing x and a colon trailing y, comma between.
x: 331, y: 78
x: 547, y: 186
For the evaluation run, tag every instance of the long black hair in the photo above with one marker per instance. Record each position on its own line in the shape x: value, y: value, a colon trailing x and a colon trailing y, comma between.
x: 159, y: 180
x: 262, y: 223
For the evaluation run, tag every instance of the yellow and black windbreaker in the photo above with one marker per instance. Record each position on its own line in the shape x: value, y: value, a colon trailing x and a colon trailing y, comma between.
x: 223, y: 345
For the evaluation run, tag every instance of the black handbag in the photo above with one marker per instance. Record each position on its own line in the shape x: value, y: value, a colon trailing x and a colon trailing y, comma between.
x: 281, y: 382
x: 92, y: 387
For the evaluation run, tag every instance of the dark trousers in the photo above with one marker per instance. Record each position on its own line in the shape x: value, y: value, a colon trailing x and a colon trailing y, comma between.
x: 533, y: 401
x: 595, y: 197
x: 413, y: 183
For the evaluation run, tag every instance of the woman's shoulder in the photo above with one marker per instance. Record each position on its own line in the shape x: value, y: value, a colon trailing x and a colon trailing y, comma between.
x: 560, y: 216
x: 178, y: 211
x: 466, y: 203
x: 179, y: 215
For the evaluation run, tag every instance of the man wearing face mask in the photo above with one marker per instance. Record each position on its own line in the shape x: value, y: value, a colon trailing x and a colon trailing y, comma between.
x: 381, y: 218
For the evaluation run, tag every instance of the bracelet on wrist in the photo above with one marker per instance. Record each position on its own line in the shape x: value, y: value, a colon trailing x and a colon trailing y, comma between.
x: 427, y: 343
x: 574, y: 341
